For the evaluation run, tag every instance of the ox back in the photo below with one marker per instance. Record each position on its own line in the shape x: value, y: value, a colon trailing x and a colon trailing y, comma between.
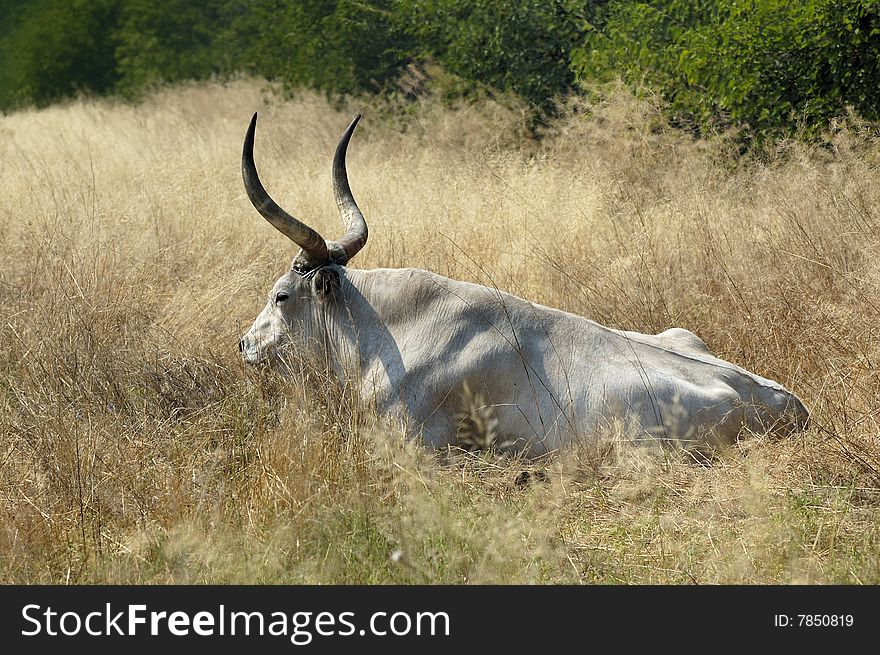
x: 423, y: 347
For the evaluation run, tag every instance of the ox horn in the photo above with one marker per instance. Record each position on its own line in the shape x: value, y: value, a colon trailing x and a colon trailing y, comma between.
x: 314, y: 248
x: 356, y: 227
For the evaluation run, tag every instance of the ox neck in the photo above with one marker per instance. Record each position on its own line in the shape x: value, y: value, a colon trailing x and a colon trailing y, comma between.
x: 352, y: 327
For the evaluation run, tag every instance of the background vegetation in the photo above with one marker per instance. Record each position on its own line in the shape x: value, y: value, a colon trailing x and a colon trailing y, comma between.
x: 136, y: 447
x: 768, y: 68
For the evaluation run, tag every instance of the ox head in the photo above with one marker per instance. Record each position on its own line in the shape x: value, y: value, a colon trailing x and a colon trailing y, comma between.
x: 296, y: 295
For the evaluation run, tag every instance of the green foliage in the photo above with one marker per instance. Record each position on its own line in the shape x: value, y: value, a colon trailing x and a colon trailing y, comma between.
x: 170, y: 41
x: 55, y: 48
x: 521, y: 45
x: 11, y: 9
x: 339, y: 46
x: 775, y: 66
x: 648, y: 44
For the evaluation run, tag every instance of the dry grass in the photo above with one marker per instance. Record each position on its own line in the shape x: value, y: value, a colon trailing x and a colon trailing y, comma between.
x: 135, y: 447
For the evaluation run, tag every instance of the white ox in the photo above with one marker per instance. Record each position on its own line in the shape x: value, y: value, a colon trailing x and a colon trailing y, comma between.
x: 420, y: 346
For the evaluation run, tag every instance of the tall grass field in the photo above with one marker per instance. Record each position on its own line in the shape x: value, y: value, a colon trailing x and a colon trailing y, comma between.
x: 136, y: 447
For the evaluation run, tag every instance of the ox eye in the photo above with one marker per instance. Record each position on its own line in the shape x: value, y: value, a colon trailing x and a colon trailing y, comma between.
x: 281, y: 297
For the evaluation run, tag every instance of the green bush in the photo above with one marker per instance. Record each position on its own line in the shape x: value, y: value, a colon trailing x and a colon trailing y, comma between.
x: 522, y: 46
x: 774, y: 67
x: 51, y: 49
x: 647, y: 45
x: 339, y: 46
x: 170, y: 41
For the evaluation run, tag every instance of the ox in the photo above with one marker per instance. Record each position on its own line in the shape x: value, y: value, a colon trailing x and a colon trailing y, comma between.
x: 414, y: 344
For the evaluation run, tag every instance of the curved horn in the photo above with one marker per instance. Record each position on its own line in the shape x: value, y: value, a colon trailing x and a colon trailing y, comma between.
x: 314, y: 248
x: 356, y: 227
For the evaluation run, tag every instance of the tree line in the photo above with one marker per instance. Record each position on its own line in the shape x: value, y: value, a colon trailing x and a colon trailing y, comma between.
x: 769, y: 67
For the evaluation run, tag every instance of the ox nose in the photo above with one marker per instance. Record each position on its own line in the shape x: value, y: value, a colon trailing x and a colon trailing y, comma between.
x: 248, y: 353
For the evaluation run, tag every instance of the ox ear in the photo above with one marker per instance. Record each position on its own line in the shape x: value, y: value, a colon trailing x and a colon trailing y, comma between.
x: 325, y: 282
